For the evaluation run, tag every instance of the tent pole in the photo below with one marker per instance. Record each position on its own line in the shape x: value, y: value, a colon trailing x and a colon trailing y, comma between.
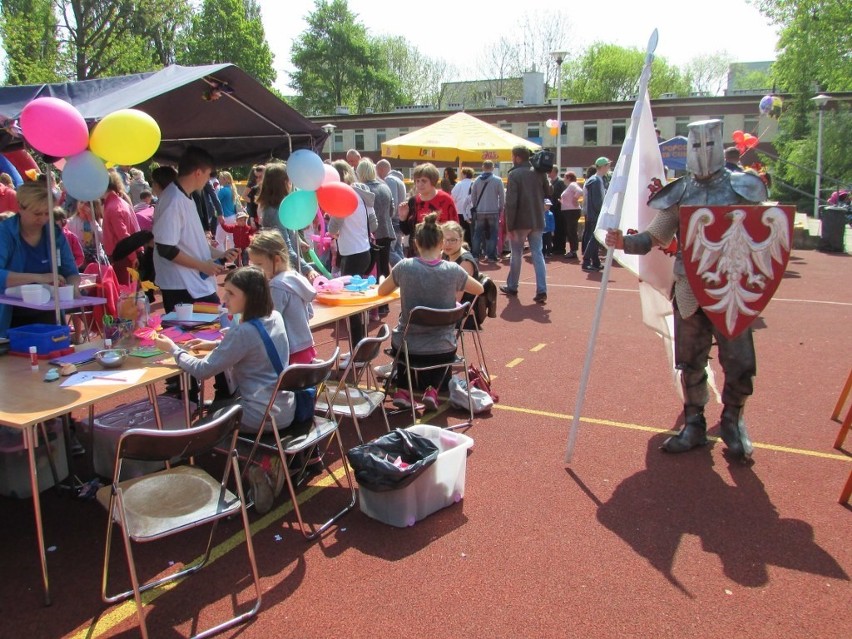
x: 54, y: 256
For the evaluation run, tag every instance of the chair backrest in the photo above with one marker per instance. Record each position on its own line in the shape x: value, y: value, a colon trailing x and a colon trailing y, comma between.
x: 369, y: 347
x: 151, y: 444
x: 425, y: 316
x: 301, y: 376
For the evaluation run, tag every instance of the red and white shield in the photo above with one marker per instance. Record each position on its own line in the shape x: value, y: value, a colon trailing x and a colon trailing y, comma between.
x: 734, y: 258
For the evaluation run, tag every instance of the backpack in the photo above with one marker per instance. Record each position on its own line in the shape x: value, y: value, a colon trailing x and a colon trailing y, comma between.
x: 543, y: 161
x: 486, y: 304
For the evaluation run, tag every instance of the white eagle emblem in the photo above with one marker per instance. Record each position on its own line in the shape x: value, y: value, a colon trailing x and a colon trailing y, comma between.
x: 735, y: 257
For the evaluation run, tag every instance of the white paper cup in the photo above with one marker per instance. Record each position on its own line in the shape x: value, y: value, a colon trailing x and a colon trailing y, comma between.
x: 66, y: 293
x: 183, y: 312
x: 35, y: 294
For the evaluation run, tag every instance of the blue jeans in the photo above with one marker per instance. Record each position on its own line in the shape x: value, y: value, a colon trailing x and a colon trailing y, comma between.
x: 486, y: 226
x: 516, y: 240
x: 396, y: 252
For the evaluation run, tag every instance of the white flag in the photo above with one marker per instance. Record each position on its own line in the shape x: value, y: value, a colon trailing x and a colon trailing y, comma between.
x: 628, y: 192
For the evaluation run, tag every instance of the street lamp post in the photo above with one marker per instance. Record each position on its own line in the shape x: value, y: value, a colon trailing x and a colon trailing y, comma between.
x: 559, y: 57
x: 820, y: 101
x: 329, y: 129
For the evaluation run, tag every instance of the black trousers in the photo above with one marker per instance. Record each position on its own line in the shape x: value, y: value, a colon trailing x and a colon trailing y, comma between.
x: 560, y: 234
x: 355, y: 264
x: 572, y: 220
x: 438, y: 378
x: 693, y: 339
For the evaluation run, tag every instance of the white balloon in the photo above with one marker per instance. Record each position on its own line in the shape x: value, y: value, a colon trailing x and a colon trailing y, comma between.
x: 305, y: 170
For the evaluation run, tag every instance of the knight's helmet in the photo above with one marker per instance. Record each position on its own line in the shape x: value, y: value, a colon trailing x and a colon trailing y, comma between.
x: 704, y: 152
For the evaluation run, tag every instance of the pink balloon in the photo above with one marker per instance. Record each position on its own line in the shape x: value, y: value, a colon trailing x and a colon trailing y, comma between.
x: 54, y: 127
x: 337, y: 199
x: 331, y: 174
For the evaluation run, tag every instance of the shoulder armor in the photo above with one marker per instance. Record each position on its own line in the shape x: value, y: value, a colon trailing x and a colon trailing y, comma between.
x: 669, y: 195
x: 749, y: 186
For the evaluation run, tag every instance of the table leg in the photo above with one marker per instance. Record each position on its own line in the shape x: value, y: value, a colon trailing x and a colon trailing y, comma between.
x: 31, y: 443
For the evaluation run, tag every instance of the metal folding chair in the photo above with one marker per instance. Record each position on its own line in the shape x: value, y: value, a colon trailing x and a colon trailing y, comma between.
x: 319, y: 433
x: 348, y: 397
x: 424, y: 316
x: 174, y: 500
x: 472, y: 328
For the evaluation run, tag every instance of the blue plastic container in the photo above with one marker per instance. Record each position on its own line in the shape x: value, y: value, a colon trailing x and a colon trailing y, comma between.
x: 50, y: 340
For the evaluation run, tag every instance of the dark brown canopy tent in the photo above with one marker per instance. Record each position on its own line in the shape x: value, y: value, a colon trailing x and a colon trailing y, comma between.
x: 218, y: 107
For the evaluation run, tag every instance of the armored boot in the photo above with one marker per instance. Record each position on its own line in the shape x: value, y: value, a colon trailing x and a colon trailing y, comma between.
x: 693, y: 433
x: 734, y: 433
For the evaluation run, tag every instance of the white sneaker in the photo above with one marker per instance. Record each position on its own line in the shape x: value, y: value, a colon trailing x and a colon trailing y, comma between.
x: 384, y: 371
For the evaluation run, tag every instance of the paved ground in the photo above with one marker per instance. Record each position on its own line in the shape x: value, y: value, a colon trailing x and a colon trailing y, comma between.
x: 624, y: 542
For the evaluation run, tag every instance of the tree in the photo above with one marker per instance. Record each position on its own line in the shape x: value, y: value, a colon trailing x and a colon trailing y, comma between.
x: 337, y: 63
x: 170, y: 30
x: 108, y: 37
x: 793, y: 170
x: 526, y: 46
x: 813, y: 52
x: 28, y: 28
x: 708, y: 73
x: 421, y: 78
x: 610, y: 73
x: 230, y: 31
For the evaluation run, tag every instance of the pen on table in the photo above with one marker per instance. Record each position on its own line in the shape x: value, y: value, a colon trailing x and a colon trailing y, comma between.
x: 109, y: 379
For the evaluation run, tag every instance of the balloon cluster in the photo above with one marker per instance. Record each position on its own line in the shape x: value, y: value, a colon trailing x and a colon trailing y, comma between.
x: 770, y: 105
x: 319, y: 186
x: 745, y: 141
x: 553, y: 125
x: 55, y: 128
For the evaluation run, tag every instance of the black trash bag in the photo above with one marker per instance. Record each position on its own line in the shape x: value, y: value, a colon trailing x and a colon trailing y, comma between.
x: 374, y: 461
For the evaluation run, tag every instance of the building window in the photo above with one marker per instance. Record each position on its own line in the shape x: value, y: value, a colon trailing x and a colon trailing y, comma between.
x: 506, y: 126
x: 381, y: 138
x: 619, y: 131
x: 359, y: 139
x: 338, y: 143
x: 533, y: 130
x: 403, y: 130
x: 682, y: 125
x: 590, y: 132
x: 750, y: 124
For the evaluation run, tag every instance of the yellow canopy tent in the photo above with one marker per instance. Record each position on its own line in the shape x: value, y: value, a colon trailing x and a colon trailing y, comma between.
x: 457, y: 138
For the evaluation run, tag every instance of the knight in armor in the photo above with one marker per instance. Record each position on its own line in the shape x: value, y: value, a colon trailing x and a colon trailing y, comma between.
x: 707, y: 183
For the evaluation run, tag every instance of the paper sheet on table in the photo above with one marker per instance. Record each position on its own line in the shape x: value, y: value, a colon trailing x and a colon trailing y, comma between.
x: 105, y: 378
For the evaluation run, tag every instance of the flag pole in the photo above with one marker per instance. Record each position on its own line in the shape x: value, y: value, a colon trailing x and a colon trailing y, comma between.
x: 613, y: 219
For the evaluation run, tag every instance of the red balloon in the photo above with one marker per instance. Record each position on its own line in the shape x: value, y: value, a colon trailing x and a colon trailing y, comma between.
x: 337, y: 199
x: 22, y: 161
x: 750, y: 141
x: 741, y: 148
x: 738, y: 137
